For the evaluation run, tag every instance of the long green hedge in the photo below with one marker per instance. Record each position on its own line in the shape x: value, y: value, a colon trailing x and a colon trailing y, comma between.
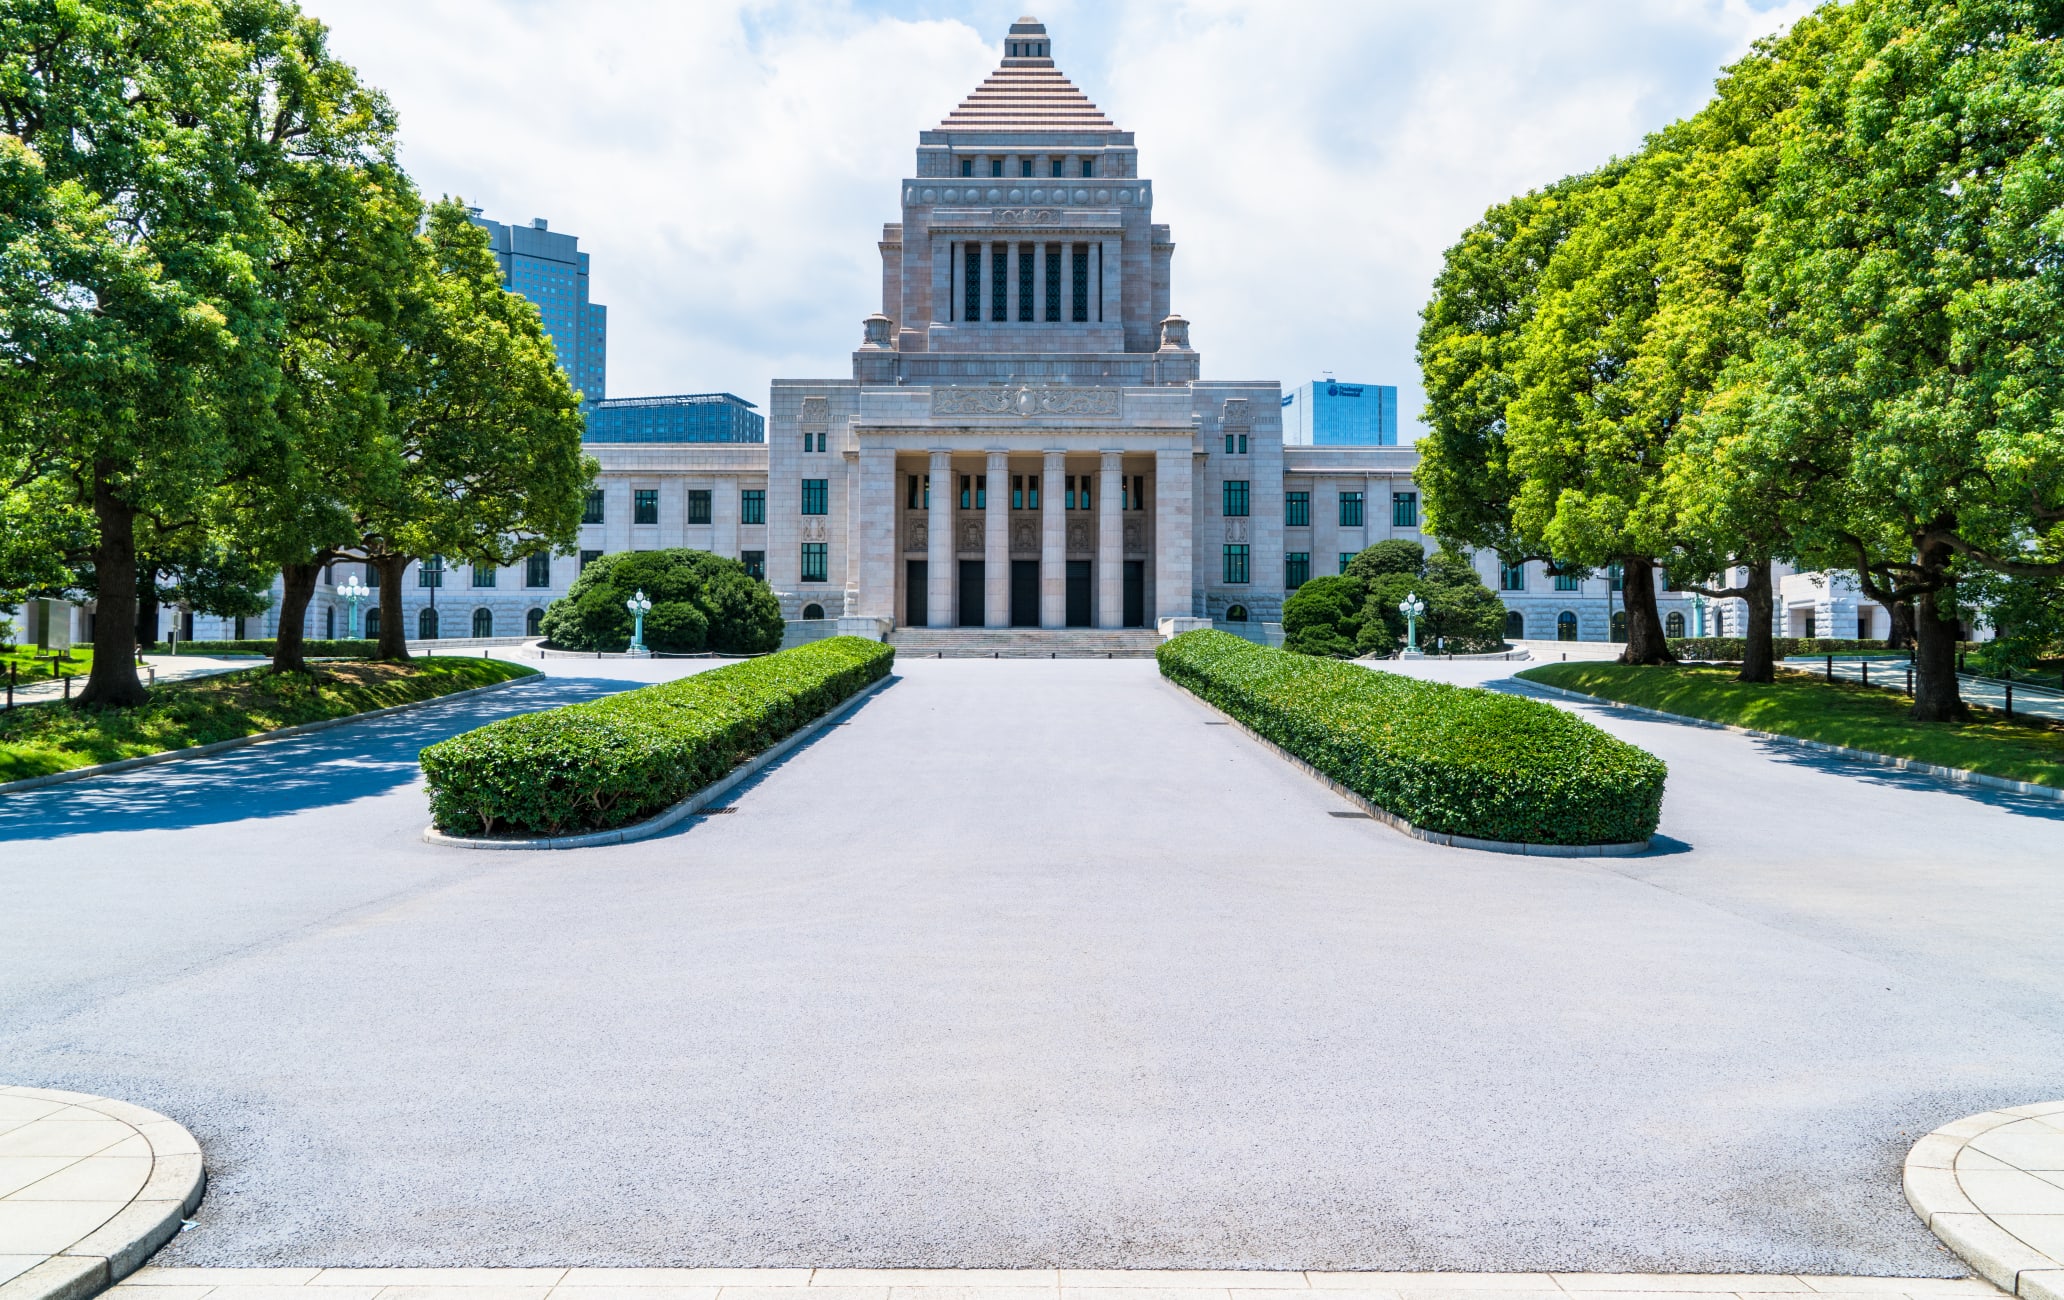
x: 1730, y: 649
x: 314, y: 649
x: 1445, y: 758
x: 614, y: 761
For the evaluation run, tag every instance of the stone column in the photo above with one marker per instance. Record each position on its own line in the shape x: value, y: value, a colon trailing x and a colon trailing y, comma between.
x: 1325, y: 525
x: 874, y: 533
x: 1172, y: 533
x: 1053, y: 542
x: 996, y: 544
x: 1110, y: 561
x: 939, y: 554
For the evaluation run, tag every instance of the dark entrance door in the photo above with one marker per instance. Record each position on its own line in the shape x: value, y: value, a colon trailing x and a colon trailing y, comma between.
x: 915, y: 581
x: 972, y: 600
x: 1135, y: 593
x: 1078, y: 593
x: 1024, y: 593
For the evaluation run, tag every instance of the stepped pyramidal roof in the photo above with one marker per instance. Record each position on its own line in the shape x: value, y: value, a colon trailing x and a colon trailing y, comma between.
x: 1027, y: 92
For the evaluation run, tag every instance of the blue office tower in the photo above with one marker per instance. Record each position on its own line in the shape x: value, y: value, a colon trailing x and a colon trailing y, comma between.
x: 1328, y: 413
x: 550, y: 270
x: 686, y: 417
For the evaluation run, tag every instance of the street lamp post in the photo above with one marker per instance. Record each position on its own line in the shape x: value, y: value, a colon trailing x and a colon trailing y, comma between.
x: 1413, y: 609
x: 1698, y: 614
x: 354, y: 591
x: 638, y: 606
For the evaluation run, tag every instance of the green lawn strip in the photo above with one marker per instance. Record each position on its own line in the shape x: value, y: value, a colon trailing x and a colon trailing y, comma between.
x: 38, y: 739
x: 29, y: 668
x: 1834, y: 713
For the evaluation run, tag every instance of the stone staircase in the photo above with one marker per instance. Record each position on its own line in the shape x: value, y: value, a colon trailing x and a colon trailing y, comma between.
x: 1024, y: 643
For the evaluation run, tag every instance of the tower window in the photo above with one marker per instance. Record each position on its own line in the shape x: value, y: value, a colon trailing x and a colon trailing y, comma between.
x: 967, y: 167
x: 974, y: 282
x: 996, y: 166
x: 1026, y: 289
x: 999, y: 282
x: 1089, y: 166
x: 1082, y: 282
x: 1053, y: 280
x: 1025, y: 167
x: 1057, y: 165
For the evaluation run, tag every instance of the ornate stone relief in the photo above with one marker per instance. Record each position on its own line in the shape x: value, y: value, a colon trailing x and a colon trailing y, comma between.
x: 1026, y: 216
x: 1027, y: 402
x: 1024, y: 538
x: 1236, y: 530
x: 971, y: 535
x: 1236, y: 414
x: 814, y: 530
x: 816, y: 413
x: 1135, y: 539
x: 920, y: 536
x: 1078, y: 537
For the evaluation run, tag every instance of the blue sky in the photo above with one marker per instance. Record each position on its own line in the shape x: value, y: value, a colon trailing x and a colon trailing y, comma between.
x: 728, y: 164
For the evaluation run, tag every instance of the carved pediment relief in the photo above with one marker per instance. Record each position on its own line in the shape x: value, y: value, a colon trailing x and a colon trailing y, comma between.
x: 1027, y: 402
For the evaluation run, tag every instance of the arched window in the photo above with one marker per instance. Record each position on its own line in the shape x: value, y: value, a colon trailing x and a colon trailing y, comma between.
x: 1720, y: 621
x: 372, y: 624
x: 813, y: 611
x: 483, y: 622
x: 1566, y: 626
x: 1619, y: 625
x: 1236, y: 614
x: 329, y: 622
x: 426, y: 624
x: 1674, y: 624
x: 1515, y: 625
x: 534, y: 623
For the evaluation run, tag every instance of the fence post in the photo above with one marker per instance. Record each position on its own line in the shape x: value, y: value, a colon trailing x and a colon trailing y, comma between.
x: 1831, y: 668
x: 2010, y: 699
x: 1909, y: 679
x: 67, y: 681
x: 1866, y: 672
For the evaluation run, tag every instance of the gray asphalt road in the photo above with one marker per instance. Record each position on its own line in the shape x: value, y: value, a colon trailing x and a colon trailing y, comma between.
x: 1031, y: 965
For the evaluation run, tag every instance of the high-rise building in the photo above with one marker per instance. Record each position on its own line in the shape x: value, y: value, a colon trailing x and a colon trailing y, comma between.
x: 1328, y: 413
x: 550, y: 270
x: 682, y: 417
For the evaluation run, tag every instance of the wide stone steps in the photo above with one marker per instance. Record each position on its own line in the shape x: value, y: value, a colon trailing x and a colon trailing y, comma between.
x: 1024, y: 643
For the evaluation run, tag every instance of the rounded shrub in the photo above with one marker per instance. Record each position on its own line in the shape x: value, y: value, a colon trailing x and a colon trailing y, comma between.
x: 699, y: 601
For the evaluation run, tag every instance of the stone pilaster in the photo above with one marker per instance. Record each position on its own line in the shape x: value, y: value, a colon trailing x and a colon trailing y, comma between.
x: 996, y: 544
x: 875, y: 532
x: 939, y: 561
x: 1053, y: 542
x: 1110, y: 562
x: 1173, y: 581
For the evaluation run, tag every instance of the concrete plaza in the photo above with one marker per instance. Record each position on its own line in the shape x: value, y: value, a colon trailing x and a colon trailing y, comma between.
x: 1030, y: 964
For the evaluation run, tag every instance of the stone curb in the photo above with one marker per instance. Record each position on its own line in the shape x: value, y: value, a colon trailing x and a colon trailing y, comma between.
x: 1959, y: 775
x: 199, y: 751
x: 1404, y: 827
x: 1968, y: 1220
x: 118, y: 1247
x: 673, y: 816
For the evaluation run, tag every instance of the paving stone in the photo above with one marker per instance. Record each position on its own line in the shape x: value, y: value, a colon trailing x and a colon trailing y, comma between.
x: 118, y: 1179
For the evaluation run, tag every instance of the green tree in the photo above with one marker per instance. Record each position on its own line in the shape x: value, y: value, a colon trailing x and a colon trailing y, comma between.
x: 1396, y: 555
x: 1462, y: 615
x: 699, y: 601
x: 1324, y: 616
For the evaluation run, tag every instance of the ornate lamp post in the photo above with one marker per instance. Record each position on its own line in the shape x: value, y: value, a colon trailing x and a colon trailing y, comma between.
x: 638, y: 606
x: 1413, y: 609
x: 1698, y: 614
x: 353, y: 591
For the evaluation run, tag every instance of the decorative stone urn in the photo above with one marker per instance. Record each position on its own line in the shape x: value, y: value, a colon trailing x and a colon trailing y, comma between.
x: 879, y: 331
x: 1175, y: 334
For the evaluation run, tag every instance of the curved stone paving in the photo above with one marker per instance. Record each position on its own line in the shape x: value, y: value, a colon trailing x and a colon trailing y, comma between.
x: 89, y: 1187
x: 1992, y: 1187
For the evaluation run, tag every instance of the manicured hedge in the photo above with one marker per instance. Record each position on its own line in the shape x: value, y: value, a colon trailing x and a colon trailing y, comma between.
x: 1445, y: 758
x: 314, y: 649
x: 618, y: 760
x: 1731, y: 649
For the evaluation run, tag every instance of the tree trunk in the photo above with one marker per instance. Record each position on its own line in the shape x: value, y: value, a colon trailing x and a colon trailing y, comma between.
x: 299, y: 581
x: 1759, y: 653
x: 1645, y: 641
x: 1902, y: 625
x: 1936, y: 694
x: 113, y: 682
x: 393, y: 635
x: 146, y: 603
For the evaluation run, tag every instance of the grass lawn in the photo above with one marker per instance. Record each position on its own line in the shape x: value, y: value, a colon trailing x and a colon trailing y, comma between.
x: 1837, y: 713
x: 28, y: 668
x: 38, y: 739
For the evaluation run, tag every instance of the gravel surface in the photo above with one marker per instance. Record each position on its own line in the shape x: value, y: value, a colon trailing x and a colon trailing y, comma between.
x: 1028, y: 964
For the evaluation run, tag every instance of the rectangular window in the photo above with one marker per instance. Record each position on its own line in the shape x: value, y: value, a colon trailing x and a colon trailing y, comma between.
x: 1053, y: 278
x: 589, y: 557
x: 1297, y: 509
x: 1512, y: 577
x: 1619, y: 579
x: 537, y: 570
x: 1069, y: 503
x: 1236, y: 564
x: 1082, y: 282
x: 999, y: 281
x: 1027, y: 290
x: 645, y: 506
x: 967, y: 492
x: 698, y: 505
x: 1404, y: 510
x: 755, y: 563
x: 967, y: 167
x: 974, y: 282
x: 1025, y: 167
x: 1233, y: 501
x: 430, y: 573
x: 1089, y: 166
x: 981, y: 491
x: 1017, y: 491
x: 1350, y: 510
x: 1296, y: 569
x: 920, y: 492
x: 372, y: 579
x: 816, y: 496
x: 1058, y: 166
x: 1567, y: 582
x: 816, y: 561
x: 1139, y: 492
x: 752, y: 506
x: 591, y: 511
x: 996, y: 166
x: 1032, y: 492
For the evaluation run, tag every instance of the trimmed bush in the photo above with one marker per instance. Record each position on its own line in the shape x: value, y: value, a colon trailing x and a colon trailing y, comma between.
x: 1730, y: 649
x: 313, y: 649
x: 619, y: 760
x: 1445, y: 758
x: 699, y: 601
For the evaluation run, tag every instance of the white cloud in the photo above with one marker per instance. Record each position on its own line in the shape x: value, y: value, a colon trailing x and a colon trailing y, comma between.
x: 728, y: 164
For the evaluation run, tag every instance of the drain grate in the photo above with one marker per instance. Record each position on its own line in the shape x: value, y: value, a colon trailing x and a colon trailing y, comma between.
x: 1351, y: 816
x: 1218, y: 724
x: 712, y: 812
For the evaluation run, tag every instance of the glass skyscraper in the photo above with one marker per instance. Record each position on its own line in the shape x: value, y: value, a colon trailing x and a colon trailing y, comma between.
x: 686, y: 417
x: 550, y: 270
x: 1328, y: 413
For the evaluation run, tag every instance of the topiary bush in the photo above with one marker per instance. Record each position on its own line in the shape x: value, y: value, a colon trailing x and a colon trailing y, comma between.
x: 699, y: 601
x: 619, y: 760
x: 1446, y: 758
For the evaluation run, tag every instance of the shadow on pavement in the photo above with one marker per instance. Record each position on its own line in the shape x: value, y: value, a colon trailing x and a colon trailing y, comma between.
x: 278, y: 778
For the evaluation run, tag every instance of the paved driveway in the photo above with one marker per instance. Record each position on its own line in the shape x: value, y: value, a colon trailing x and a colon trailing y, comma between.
x: 1031, y: 965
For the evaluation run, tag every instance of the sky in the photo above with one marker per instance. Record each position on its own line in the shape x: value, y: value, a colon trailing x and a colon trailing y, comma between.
x: 728, y: 164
